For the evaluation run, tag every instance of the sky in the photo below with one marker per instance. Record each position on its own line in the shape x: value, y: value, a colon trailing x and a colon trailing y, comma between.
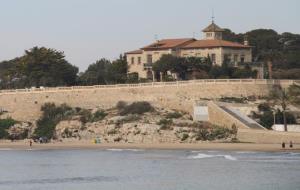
x: 88, y: 30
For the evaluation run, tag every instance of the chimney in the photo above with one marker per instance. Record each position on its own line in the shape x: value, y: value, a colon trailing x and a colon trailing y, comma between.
x: 246, y: 42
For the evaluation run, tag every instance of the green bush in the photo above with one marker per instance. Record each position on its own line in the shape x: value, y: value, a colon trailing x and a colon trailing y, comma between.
x: 112, y: 132
x: 121, y: 105
x: 202, y: 135
x: 264, y: 107
x: 184, y: 137
x: 213, y: 133
x: 173, y: 115
x: 85, y: 116
x: 165, y: 124
x: 219, y: 133
x: 99, y: 115
x: 134, y: 108
x: 5, y: 124
x: 51, y: 116
x: 233, y: 100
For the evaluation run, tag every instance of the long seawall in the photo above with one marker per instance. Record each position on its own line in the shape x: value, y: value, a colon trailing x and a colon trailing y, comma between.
x: 25, y: 104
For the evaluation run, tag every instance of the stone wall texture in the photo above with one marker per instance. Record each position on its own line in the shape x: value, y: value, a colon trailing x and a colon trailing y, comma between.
x: 25, y: 104
x: 219, y: 117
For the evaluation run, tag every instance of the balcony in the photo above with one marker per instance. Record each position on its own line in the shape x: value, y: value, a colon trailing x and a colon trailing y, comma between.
x: 148, y: 66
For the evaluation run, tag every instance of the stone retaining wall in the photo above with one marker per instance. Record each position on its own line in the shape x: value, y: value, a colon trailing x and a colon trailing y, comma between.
x: 25, y: 104
x: 267, y: 137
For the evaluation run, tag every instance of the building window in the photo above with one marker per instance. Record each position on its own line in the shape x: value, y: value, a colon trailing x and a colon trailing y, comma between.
x: 149, y: 58
x: 235, y: 58
x: 132, y: 60
x: 213, y: 58
x: 208, y: 35
x: 242, y: 58
x: 227, y: 58
x: 139, y: 60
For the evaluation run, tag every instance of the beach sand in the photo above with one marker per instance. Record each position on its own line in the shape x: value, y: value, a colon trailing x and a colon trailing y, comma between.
x: 24, y: 145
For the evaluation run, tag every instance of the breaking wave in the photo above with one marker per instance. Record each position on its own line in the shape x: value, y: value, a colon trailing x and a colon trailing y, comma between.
x: 121, y: 150
x: 204, y: 156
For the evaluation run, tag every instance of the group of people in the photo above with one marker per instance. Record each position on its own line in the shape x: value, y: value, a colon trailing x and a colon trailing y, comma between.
x: 284, y: 145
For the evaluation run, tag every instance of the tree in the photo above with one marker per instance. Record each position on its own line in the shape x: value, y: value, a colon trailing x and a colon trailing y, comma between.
x: 105, y: 72
x: 39, y: 66
x: 96, y: 74
x: 180, y: 65
x: 167, y: 63
x: 118, y: 70
x: 284, y: 98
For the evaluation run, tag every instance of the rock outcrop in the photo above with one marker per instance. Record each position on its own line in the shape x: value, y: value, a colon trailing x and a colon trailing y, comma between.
x: 148, y: 128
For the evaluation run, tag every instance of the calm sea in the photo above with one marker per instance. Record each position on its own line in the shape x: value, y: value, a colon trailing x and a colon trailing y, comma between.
x: 115, y: 169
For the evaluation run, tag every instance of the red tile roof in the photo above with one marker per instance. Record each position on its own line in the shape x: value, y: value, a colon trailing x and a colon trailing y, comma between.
x: 214, y: 44
x: 169, y: 44
x: 213, y: 28
x: 135, y: 52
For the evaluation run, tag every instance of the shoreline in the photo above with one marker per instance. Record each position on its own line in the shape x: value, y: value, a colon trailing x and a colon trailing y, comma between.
x: 163, y: 146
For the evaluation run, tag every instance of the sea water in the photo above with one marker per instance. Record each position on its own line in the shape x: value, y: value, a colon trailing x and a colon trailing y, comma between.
x: 116, y: 169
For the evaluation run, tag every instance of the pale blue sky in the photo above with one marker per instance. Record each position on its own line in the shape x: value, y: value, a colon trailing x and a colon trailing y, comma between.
x: 87, y: 30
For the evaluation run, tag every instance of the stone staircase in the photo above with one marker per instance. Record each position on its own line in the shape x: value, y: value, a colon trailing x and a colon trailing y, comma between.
x: 242, y: 118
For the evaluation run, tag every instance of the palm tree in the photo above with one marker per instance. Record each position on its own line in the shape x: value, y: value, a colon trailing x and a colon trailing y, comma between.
x: 284, y: 98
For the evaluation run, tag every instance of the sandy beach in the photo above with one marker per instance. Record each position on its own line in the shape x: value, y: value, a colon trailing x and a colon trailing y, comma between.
x: 24, y: 145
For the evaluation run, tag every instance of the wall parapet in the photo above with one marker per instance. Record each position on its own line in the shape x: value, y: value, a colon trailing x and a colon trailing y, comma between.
x: 155, y: 84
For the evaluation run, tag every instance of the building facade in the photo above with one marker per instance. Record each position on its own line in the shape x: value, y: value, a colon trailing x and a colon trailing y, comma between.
x: 212, y: 46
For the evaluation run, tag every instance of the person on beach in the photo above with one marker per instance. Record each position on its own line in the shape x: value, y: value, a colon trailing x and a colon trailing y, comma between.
x: 283, y: 145
x: 30, y: 143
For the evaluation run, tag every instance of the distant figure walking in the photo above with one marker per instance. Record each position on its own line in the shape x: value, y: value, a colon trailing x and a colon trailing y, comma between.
x: 291, y: 144
x: 30, y: 143
x: 283, y: 145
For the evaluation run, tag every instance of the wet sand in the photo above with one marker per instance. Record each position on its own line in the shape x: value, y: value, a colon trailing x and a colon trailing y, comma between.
x: 24, y: 145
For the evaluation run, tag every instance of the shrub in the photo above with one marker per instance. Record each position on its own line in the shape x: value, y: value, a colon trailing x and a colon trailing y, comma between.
x: 67, y: 133
x: 165, y: 124
x: 264, y: 107
x: 219, y: 133
x: 184, y: 137
x: 173, y: 115
x: 99, y: 115
x: 202, y: 135
x: 233, y: 100
x: 134, y: 108
x: 112, y: 132
x: 85, y: 116
x: 4, y: 125
x: 213, y: 133
x: 51, y: 116
x: 121, y: 105
x: 234, y: 131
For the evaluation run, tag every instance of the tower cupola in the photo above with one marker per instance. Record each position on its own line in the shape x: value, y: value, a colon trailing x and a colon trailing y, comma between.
x: 213, y: 32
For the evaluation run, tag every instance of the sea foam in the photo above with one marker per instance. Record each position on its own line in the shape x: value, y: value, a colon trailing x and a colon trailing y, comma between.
x: 203, y: 156
x: 121, y: 150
